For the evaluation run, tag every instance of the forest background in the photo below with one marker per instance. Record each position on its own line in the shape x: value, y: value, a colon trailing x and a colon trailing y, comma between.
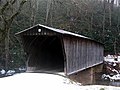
x: 97, y: 19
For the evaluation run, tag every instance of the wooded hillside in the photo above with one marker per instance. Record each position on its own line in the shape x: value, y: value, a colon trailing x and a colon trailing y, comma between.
x: 97, y: 19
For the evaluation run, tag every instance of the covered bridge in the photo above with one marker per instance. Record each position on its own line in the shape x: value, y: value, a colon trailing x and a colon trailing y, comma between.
x: 51, y: 49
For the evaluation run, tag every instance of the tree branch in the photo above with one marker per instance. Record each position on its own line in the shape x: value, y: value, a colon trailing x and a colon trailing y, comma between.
x: 13, y: 1
x: 18, y: 11
x: 4, y: 7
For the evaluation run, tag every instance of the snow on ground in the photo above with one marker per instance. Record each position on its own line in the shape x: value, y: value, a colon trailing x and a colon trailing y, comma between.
x: 43, y: 81
x: 112, y: 66
x: 112, y: 78
x: 111, y: 58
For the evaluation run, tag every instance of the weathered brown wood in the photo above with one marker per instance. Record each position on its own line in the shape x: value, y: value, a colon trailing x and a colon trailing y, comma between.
x: 47, y: 46
x: 81, y: 53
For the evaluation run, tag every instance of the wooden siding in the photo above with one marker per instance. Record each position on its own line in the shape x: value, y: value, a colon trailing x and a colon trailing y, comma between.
x: 81, y: 53
x: 78, y: 52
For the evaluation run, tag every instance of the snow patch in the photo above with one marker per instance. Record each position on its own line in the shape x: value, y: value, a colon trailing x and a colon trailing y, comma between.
x: 43, y: 81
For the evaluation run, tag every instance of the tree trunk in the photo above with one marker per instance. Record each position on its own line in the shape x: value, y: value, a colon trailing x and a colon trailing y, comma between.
x: 104, y: 16
x: 115, y: 51
x: 47, y: 11
x: 110, y: 14
x: 7, y: 49
x: 7, y: 20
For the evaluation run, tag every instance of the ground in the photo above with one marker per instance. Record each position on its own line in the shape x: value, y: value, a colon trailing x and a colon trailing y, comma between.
x: 43, y: 81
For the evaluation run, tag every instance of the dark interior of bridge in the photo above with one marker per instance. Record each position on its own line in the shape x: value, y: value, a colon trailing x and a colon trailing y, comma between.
x: 45, y: 53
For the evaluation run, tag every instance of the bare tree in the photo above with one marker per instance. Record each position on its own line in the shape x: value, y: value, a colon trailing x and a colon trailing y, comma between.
x: 49, y: 2
x: 8, y: 13
x: 104, y: 16
x: 33, y: 8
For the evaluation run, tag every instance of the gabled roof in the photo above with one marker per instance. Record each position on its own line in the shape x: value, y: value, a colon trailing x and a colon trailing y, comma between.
x: 56, y: 30
x: 53, y: 29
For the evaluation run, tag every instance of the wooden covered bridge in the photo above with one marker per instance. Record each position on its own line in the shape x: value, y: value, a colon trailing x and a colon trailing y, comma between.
x: 50, y: 49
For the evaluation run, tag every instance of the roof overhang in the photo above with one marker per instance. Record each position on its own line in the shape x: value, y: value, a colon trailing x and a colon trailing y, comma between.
x: 63, y: 32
